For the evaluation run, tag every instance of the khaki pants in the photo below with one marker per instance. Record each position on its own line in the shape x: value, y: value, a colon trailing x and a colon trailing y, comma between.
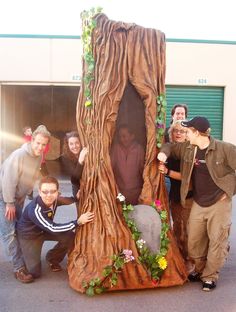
x: 208, y: 236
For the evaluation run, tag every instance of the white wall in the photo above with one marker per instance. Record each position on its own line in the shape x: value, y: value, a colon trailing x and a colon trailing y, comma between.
x: 58, y: 61
x: 40, y: 60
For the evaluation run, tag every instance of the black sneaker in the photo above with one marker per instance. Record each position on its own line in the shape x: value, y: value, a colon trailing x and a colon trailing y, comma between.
x: 208, y: 285
x: 194, y: 277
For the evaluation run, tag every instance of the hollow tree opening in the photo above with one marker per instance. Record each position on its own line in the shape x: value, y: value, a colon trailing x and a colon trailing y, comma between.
x: 129, y: 145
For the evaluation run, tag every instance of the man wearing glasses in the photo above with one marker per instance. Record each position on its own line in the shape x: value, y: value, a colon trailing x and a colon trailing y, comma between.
x: 36, y: 225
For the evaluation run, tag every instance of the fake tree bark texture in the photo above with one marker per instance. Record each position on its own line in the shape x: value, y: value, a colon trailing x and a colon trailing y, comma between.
x: 123, y: 52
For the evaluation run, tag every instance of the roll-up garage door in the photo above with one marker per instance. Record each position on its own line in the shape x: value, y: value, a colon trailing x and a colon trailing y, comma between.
x: 201, y: 101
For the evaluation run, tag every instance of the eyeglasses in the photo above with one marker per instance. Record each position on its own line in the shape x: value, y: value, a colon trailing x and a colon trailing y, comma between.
x: 179, y: 131
x: 51, y: 192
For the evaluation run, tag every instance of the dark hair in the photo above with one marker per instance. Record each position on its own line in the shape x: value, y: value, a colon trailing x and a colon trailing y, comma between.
x: 26, y: 128
x: 66, y: 151
x: 206, y: 134
x: 180, y: 105
x: 48, y: 179
x: 125, y: 126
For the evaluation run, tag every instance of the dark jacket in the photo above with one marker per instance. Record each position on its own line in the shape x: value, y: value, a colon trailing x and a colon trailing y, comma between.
x: 220, y: 161
x: 37, y: 218
x: 71, y: 169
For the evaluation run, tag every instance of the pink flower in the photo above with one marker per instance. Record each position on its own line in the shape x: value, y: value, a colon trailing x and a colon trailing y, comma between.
x: 128, y: 255
x: 157, y: 202
x: 127, y: 252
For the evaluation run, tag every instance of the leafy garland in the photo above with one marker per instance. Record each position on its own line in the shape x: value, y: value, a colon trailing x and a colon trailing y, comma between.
x: 110, y: 272
x: 88, y: 25
x: 155, y: 263
x: 160, y: 118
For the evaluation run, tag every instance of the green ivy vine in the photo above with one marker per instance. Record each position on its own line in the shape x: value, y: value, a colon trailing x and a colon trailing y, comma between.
x: 88, y: 25
x: 155, y: 263
x: 110, y: 273
x: 160, y: 118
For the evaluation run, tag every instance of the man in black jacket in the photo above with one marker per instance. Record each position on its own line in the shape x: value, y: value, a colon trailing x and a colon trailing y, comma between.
x: 36, y: 225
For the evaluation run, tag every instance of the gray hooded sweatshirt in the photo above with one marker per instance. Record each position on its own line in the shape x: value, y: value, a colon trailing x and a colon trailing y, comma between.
x: 18, y: 174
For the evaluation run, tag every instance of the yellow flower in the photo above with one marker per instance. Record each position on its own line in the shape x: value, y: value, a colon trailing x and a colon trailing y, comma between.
x: 88, y: 103
x: 162, y: 263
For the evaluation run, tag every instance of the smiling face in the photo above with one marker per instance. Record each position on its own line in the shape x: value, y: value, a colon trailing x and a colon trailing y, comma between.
x: 179, y: 114
x: 178, y: 133
x: 49, y: 193
x: 38, y: 144
x: 74, y: 145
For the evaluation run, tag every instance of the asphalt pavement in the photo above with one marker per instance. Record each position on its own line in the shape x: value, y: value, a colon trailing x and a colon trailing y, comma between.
x: 52, y: 293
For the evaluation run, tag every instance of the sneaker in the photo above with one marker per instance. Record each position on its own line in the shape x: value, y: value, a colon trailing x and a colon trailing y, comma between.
x: 194, y: 277
x: 208, y: 285
x: 55, y: 267
x: 23, y: 275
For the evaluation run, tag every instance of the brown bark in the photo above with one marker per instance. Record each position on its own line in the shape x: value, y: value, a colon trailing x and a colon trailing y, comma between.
x: 123, y: 52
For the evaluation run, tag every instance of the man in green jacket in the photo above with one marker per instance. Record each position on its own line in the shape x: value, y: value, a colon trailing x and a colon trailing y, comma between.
x: 209, y: 165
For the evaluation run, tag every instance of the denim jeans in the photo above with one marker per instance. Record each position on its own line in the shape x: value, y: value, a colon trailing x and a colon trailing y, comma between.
x: 9, y: 238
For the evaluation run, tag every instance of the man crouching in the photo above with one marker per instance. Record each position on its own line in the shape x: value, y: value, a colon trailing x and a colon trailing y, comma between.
x: 36, y: 225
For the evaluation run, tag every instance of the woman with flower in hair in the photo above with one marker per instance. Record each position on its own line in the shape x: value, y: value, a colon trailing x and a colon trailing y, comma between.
x: 180, y: 214
x: 72, y: 159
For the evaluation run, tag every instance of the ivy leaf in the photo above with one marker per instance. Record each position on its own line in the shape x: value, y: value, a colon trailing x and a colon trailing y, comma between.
x: 99, y: 9
x: 113, y: 282
x: 107, y: 271
x: 93, y: 23
x: 84, y: 284
x: 97, y: 281
x: 87, y: 92
x: 92, y: 283
x: 99, y: 290
x: 161, y: 131
x: 90, y: 292
x: 119, y: 263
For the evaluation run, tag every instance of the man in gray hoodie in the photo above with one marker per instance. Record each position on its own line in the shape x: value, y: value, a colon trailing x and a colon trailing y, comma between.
x: 18, y: 174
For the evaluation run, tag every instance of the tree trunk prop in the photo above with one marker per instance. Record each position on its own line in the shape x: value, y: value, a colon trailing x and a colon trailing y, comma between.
x: 123, y: 53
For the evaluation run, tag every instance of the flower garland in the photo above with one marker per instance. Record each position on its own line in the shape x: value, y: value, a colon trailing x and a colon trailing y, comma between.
x: 160, y: 118
x: 110, y: 272
x: 155, y: 263
x: 88, y: 25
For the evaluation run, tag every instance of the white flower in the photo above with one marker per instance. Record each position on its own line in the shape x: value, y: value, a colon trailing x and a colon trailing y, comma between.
x: 140, y: 243
x: 121, y: 197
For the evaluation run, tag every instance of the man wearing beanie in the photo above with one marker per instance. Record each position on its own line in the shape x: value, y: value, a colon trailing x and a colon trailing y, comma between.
x: 210, y: 166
